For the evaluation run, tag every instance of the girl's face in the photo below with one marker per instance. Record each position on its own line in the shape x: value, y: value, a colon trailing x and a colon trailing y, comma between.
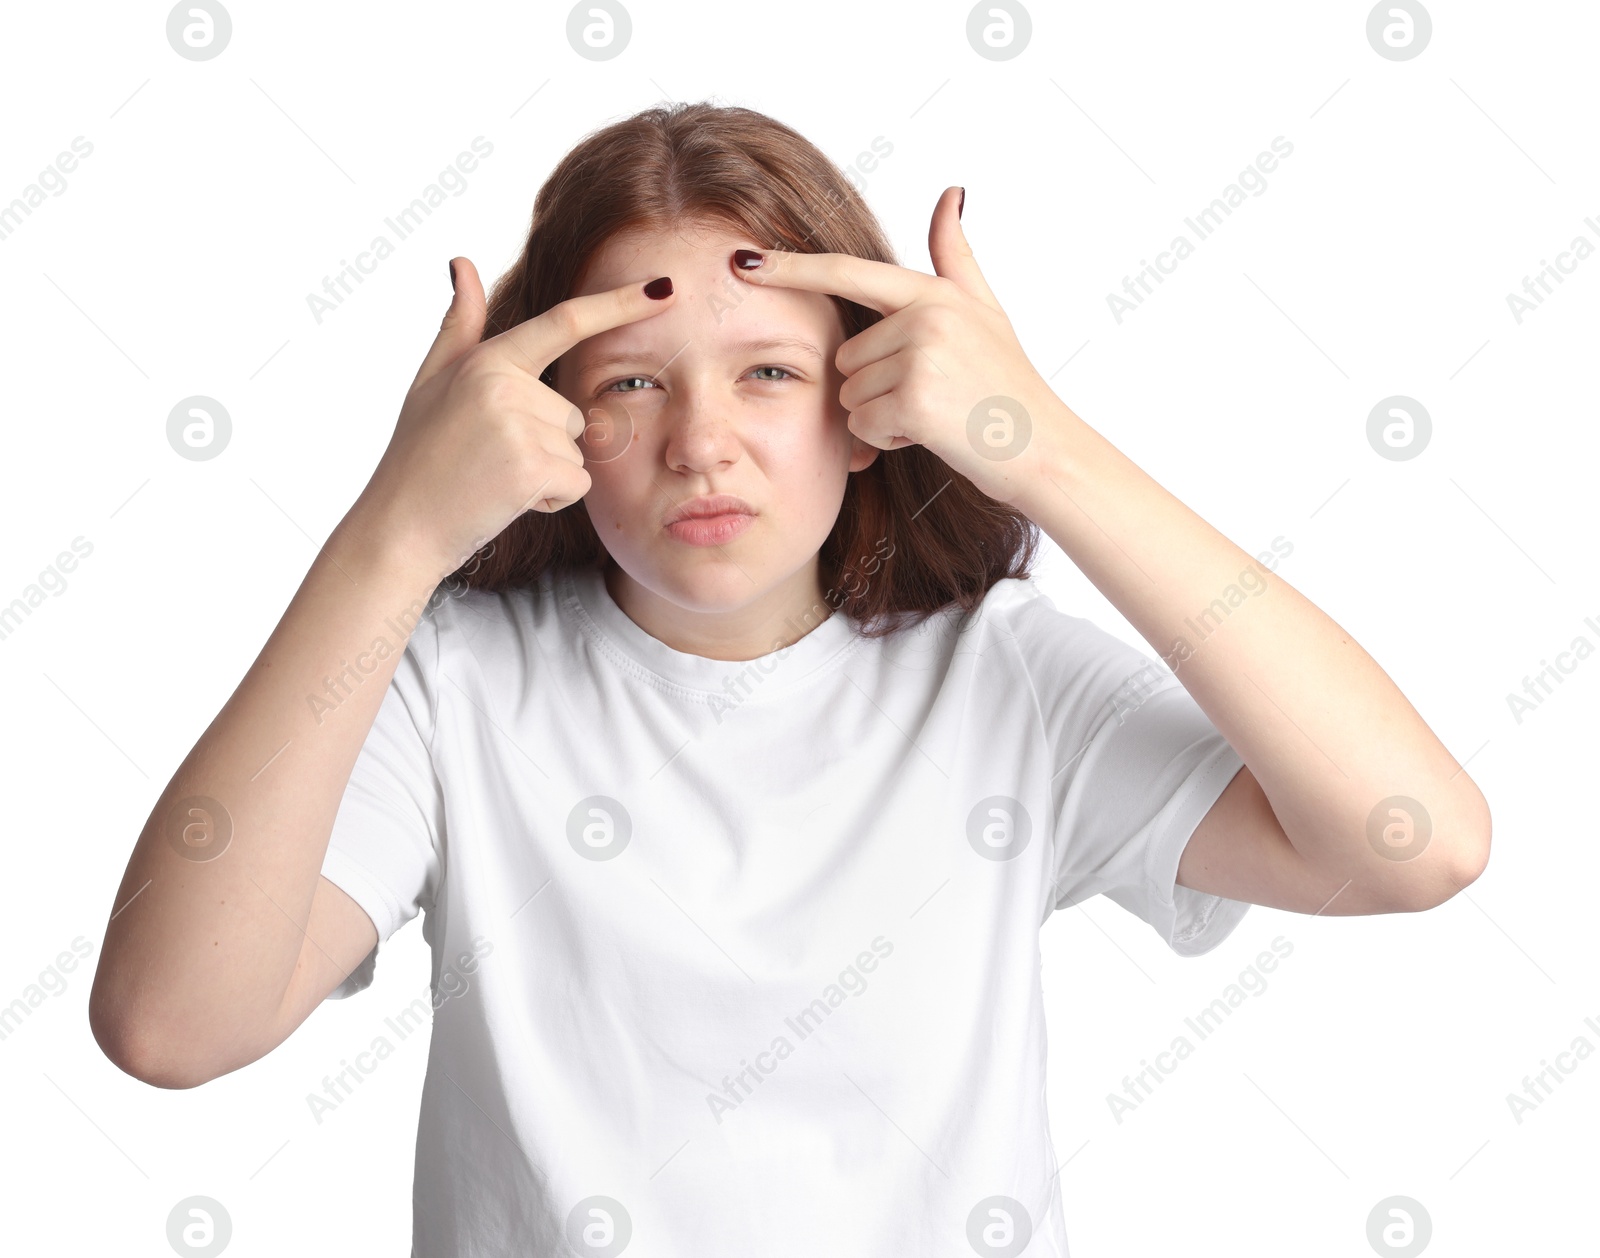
x: 731, y: 389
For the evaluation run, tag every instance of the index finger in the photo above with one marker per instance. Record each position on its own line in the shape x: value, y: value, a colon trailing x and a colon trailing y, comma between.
x: 537, y: 342
x: 880, y: 286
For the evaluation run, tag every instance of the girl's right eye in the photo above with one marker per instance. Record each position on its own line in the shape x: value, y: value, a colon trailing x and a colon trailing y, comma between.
x: 627, y: 380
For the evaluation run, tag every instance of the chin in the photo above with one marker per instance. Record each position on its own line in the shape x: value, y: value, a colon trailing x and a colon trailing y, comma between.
x: 696, y: 579
x: 712, y: 583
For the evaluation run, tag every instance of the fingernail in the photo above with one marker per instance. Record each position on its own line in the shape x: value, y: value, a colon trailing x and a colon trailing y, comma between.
x: 747, y: 259
x: 452, y: 275
x: 962, y: 204
x: 660, y: 288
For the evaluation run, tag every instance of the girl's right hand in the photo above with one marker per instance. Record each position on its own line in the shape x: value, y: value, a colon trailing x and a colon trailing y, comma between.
x: 481, y: 438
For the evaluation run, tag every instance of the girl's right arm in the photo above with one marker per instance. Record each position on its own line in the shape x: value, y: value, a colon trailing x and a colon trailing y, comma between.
x: 209, y: 964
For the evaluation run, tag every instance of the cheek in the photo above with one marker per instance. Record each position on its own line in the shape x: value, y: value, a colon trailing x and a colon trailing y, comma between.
x: 815, y: 441
x: 810, y: 474
x: 620, y: 486
x: 609, y: 433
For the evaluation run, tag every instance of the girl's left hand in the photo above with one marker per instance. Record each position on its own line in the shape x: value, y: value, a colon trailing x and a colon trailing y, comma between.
x: 942, y: 368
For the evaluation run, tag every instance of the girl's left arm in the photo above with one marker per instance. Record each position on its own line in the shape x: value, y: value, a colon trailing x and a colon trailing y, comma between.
x: 1347, y: 803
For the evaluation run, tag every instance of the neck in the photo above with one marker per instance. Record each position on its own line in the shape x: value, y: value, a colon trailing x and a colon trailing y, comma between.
x: 778, y: 618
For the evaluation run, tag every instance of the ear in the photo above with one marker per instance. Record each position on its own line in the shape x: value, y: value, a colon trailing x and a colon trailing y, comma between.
x: 862, y: 455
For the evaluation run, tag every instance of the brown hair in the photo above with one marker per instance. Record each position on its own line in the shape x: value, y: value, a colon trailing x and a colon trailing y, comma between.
x: 947, y: 542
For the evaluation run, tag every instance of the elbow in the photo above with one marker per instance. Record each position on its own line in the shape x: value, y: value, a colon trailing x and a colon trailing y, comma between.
x: 1460, y: 869
x: 133, y: 1049
x: 148, y: 1061
x: 1455, y: 865
x: 1475, y: 860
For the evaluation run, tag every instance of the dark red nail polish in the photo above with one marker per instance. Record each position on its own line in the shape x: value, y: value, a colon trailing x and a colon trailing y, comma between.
x: 452, y: 275
x: 746, y: 259
x: 660, y: 288
x: 962, y: 204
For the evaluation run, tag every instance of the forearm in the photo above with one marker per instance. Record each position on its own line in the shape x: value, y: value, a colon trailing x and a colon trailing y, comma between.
x: 1323, y: 728
x: 209, y: 921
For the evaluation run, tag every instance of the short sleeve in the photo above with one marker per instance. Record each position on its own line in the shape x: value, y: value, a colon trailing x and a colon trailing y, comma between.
x: 384, y: 850
x: 1137, y: 764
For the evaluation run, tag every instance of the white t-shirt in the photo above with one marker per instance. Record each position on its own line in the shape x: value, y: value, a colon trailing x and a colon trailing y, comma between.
x: 737, y: 958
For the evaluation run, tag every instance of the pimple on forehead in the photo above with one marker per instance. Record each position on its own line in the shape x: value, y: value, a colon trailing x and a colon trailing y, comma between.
x: 709, y: 291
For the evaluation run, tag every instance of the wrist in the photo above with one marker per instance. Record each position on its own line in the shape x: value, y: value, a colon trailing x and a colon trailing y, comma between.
x: 371, y: 544
x: 1052, y: 463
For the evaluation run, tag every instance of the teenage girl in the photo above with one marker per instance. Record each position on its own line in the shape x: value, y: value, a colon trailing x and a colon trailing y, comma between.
x: 680, y: 663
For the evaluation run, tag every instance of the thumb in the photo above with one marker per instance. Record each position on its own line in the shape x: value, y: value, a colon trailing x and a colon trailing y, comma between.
x: 462, y: 326
x: 951, y: 254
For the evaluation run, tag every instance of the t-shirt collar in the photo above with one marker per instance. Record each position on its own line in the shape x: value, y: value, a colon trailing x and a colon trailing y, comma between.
x: 583, y: 592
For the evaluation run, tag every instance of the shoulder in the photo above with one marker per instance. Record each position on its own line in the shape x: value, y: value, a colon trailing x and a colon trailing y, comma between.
x: 470, y: 611
x: 1019, y: 608
x: 1062, y: 655
x: 464, y: 631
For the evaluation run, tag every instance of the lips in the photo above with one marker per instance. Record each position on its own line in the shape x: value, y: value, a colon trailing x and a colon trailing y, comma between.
x: 709, y: 506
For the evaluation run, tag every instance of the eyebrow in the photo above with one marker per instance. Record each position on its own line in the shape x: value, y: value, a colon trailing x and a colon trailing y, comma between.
x: 748, y: 345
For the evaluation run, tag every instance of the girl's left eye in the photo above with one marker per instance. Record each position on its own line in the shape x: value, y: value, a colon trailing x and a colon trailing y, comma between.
x: 784, y: 370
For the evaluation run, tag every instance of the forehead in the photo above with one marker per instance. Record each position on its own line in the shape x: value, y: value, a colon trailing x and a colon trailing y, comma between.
x: 712, y: 302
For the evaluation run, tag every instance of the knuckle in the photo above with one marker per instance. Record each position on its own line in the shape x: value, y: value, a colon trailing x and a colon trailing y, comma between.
x: 494, y: 392
x: 939, y: 321
x: 477, y: 366
x: 565, y: 319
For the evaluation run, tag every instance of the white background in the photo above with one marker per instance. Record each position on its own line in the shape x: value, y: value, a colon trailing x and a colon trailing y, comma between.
x: 1377, y: 262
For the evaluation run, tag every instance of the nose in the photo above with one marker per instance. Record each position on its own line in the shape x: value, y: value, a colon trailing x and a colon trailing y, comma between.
x: 701, y: 427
